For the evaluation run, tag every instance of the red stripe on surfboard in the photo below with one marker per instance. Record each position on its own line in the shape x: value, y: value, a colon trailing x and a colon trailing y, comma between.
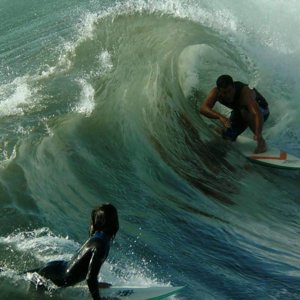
x: 282, y: 156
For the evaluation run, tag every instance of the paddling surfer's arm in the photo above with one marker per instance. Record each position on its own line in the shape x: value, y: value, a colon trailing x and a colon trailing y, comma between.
x: 206, y: 108
x: 93, y: 270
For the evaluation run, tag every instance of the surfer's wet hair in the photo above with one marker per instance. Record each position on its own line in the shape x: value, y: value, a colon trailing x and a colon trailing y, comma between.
x: 105, y: 218
x: 224, y: 81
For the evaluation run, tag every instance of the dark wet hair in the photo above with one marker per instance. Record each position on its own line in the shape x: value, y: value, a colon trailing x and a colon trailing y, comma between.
x: 224, y: 81
x: 105, y: 218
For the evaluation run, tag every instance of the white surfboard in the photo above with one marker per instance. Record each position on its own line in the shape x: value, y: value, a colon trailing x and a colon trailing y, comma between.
x: 273, y: 157
x: 140, y: 293
x: 113, y: 292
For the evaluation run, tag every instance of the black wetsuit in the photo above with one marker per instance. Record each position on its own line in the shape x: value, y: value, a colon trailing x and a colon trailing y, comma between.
x: 238, y: 125
x: 85, y: 264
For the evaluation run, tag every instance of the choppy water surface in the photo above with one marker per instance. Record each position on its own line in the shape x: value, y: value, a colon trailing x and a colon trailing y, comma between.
x: 99, y: 102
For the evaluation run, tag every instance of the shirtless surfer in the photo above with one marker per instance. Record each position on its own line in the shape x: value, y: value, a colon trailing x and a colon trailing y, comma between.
x: 249, y: 109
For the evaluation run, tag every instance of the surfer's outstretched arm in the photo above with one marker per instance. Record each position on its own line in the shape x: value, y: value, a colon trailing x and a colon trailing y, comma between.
x: 92, y: 275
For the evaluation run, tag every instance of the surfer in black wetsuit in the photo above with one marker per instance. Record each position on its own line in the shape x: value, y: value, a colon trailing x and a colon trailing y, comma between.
x: 86, y: 263
x: 249, y: 109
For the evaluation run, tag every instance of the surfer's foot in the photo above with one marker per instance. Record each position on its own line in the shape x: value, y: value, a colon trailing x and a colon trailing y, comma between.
x: 261, y: 147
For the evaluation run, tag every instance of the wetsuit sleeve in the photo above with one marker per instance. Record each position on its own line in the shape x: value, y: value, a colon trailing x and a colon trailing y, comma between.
x: 92, y: 275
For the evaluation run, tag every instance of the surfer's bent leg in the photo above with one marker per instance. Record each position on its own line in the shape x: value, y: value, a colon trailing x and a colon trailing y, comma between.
x: 55, y: 271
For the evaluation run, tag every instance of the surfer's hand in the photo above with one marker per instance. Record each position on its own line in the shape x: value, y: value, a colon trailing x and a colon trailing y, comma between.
x: 104, y: 285
x: 225, y: 121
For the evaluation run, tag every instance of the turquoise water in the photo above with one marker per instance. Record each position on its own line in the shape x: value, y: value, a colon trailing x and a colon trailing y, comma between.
x: 98, y: 102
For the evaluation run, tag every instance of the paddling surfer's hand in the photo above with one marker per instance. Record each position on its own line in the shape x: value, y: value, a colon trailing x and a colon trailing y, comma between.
x: 104, y: 285
x: 225, y: 121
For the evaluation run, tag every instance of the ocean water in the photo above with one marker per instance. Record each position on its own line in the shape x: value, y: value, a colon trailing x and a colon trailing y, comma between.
x: 99, y: 103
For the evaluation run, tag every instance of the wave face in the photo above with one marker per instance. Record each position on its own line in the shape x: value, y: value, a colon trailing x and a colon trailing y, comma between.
x: 99, y: 103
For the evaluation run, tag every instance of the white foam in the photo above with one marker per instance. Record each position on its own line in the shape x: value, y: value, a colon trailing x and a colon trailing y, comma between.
x: 198, y: 64
x: 103, y: 66
x: 42, y: 243
x: 105, y: 62
x: 213, y: 16
x: 87, y: 102
x: 7, y: 156
x: 15, y: 97
x: 45, y: 246
x: 132, y: 275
